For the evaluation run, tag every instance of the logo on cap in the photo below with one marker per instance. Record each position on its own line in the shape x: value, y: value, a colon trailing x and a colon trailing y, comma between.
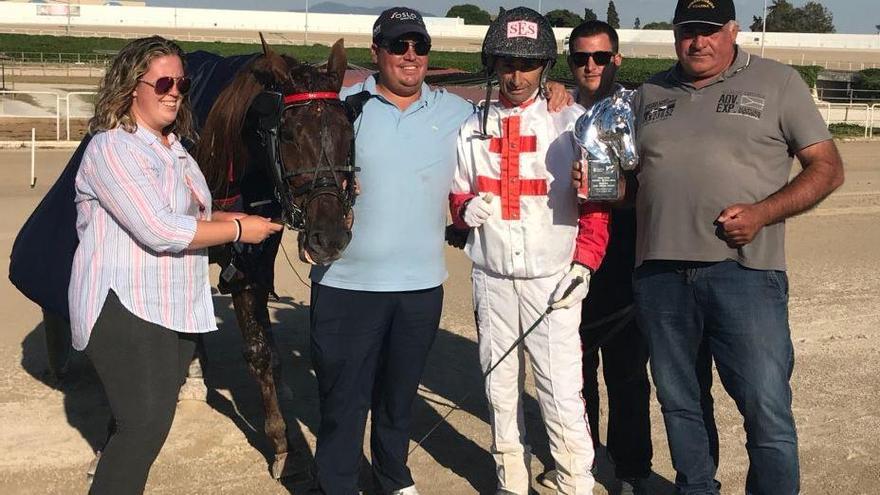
x: 701, y: 4
x: 522, y: 29
x: 405, y: 16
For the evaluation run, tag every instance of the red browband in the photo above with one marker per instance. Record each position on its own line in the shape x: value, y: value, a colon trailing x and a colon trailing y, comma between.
x: 298, y: 97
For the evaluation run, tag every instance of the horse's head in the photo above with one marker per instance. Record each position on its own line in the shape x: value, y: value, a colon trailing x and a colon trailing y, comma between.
x: 293, y: 126
x: 315, y: 176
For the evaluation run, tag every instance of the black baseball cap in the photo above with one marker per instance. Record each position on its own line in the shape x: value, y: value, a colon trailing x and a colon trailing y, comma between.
x: 715, y: 12
x: 397, y: 21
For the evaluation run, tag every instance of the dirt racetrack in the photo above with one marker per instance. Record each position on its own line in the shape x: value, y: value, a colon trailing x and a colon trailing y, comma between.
x: 19, y: 129
x: 47, y: 433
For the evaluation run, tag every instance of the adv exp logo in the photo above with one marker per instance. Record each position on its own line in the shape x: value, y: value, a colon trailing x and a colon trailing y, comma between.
x: 746, y: 104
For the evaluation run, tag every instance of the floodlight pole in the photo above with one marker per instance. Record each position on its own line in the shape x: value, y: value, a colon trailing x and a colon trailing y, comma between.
x: 306, y: 37
x: 763, y: 27
x: 67, y: 31
x: 539, y: 8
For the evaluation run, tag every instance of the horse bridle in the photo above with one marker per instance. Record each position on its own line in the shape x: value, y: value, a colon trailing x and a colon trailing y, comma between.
x: 293, y: 214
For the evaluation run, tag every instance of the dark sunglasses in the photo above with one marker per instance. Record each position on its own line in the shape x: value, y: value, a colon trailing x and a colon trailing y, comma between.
x: 400, y: 47
x: 164, y: 84
x: 580, y: 59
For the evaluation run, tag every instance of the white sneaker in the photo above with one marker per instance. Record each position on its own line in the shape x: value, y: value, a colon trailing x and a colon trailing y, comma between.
x: 410, y: 490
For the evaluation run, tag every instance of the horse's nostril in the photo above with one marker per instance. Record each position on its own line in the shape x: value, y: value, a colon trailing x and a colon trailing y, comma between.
x: 316, y: 239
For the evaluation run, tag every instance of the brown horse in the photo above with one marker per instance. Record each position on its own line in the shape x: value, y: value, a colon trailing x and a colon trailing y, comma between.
x: 277, y: 143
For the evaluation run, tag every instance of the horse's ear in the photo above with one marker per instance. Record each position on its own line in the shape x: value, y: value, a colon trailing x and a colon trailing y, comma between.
x: 338, y: 62
x: 270, y: 69
x: 266, y: 48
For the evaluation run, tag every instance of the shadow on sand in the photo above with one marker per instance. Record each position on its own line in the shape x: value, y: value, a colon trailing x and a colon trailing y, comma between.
x: 452, y: 373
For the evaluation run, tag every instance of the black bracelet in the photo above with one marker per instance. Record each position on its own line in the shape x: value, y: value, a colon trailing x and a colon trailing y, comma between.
x: 238, y: 230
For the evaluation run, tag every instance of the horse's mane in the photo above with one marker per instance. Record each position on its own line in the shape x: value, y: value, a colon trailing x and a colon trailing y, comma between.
x: 221, y: 143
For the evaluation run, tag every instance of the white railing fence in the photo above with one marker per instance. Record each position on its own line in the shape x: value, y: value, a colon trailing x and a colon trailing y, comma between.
x: 860, y: 114
x: 874, y: 114
x: 6, y: 96
x: 67, y: 112
x: 48, y: 105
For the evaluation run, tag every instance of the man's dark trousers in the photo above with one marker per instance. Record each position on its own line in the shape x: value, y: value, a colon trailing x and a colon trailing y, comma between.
x: 368, y: 351
x: 624, y: 356
x: 625, y: 368
x: 742, y: 315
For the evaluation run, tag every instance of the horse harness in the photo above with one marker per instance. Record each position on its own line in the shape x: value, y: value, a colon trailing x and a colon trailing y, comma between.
x: 268, y: 109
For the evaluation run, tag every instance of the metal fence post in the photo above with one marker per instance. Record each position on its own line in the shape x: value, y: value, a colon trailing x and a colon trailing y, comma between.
x: 57, y: 117
x: 67, y: 114
x: 873, y: 114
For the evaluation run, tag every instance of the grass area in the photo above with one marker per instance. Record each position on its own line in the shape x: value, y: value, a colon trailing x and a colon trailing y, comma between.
x: 634, y: 70
x: 850, y: 130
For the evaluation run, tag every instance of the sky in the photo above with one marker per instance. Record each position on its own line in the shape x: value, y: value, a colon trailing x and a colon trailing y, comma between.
x: 850, y: 16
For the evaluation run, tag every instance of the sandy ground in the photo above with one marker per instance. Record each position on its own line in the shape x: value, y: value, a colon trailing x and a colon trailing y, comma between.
x: 47, y: 434
x: 19, y: 128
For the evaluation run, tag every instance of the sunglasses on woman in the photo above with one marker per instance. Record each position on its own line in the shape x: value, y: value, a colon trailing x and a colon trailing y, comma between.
x: 400, y: 47
x: 580, y: 59
x: 164, y: 84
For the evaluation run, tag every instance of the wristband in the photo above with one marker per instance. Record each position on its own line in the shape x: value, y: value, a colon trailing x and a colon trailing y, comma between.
x: 237, y: 230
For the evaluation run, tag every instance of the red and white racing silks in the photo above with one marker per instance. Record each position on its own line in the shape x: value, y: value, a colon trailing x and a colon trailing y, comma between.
x: 521, y: 253
x: 537, y: 227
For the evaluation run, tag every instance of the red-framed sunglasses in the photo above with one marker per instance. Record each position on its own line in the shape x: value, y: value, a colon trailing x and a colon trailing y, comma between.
x: 164, y: 84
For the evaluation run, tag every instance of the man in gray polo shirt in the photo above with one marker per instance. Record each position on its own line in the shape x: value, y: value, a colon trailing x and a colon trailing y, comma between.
x: 716, y: 135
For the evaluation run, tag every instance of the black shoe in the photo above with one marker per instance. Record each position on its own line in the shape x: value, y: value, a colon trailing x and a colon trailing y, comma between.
x: 634, y: 486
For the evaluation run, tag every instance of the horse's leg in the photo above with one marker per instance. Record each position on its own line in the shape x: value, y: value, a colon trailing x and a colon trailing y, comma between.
x: 193, y: 387
x: 253, y: 320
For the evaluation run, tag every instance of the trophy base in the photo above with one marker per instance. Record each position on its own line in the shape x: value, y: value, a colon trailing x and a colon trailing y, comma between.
x: 603, y: 183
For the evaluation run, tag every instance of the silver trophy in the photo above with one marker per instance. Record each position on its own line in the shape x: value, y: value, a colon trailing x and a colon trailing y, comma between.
x: 605, y: 138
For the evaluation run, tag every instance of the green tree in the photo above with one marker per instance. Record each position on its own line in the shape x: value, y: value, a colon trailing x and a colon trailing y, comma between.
x: 658, y: 26
x: 783, y: 17
x: 589, y: 15
x: 637, y: 24
x: 611, y: 16
x: 563, y: 18
x: 815, y: 18
x: 757, y: 24
x: 868, y: 79
x: 471, y: 14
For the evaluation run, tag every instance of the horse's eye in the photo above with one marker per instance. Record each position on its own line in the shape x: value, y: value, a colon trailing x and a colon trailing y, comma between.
x: 285, y: 133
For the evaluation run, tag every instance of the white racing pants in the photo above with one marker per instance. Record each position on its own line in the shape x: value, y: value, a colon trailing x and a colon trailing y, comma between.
x: 505, y: 308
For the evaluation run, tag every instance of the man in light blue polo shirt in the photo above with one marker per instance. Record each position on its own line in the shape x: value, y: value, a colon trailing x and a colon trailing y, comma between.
x: 375, y: 311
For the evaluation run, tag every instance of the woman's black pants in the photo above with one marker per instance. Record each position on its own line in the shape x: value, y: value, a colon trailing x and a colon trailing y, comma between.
x: 141, y: 366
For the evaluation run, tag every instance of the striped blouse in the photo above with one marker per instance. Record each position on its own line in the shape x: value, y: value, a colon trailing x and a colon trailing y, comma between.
x: 137, y: 204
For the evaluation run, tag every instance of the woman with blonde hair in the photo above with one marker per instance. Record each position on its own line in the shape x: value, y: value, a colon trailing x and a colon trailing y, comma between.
x: 139, y: 289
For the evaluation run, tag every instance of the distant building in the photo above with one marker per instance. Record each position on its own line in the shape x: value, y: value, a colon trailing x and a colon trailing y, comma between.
x: 124, y: 3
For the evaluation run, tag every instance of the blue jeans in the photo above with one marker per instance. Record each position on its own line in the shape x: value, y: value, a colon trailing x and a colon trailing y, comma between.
x: 743, y: 316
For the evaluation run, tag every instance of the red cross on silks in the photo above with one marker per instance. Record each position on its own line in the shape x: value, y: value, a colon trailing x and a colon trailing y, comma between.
x: 511, y: 186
